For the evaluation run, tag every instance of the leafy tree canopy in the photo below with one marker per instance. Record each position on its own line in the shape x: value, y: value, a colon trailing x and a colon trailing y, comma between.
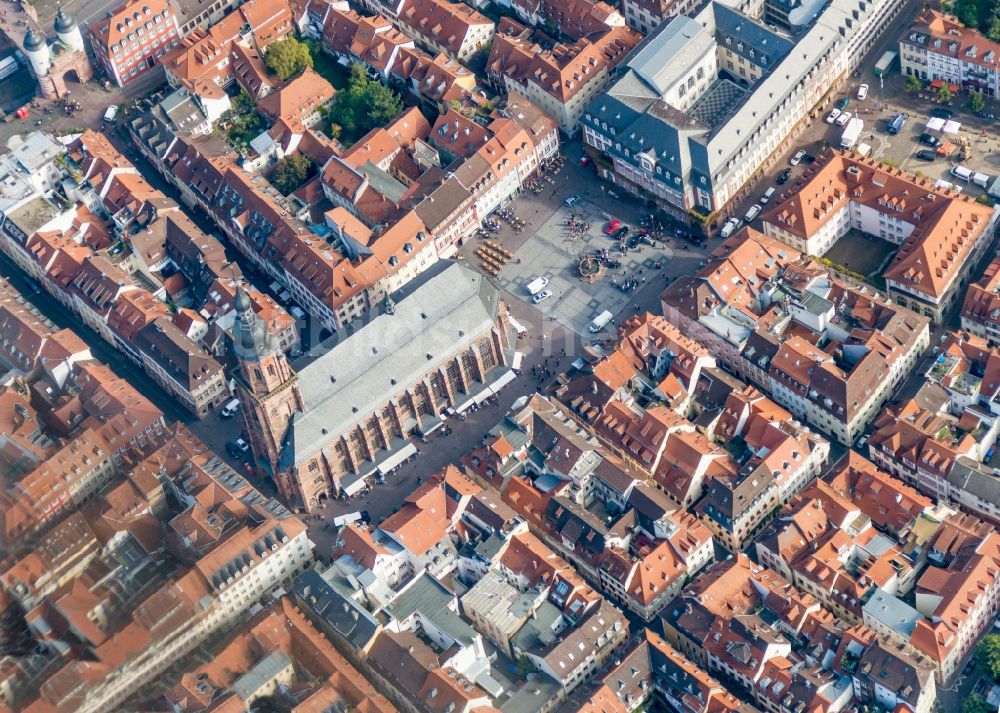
x: 988, y: 655
x: 976, y: 704
x: 363, y: 105
x: 288, y: 57
x: 291, y: 172
x: 977, y: 102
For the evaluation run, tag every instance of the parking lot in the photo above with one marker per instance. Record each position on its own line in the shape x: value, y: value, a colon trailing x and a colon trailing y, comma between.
x: 902, y: 149
x: 554, y: 252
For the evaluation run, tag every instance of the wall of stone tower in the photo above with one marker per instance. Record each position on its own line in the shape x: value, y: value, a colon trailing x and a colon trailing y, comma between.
x: 266, y: 417
x: 40, y: 60
x: 74, y: 39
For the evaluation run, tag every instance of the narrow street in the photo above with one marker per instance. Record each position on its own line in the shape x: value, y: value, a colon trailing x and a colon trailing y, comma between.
x: 101, y: 350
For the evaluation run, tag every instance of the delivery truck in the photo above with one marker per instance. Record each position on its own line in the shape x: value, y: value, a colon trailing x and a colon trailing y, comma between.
x: 885, y: 63
x: 852, y: 132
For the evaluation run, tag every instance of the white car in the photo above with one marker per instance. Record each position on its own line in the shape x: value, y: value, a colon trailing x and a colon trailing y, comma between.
x: 729, y: 228
x: 832, y: 116
x: 794, y: 160
x: 111, y: 113
x: 862, y: 92
x: 752, y: 213
x: 543, y: 295
x: 844, y: 118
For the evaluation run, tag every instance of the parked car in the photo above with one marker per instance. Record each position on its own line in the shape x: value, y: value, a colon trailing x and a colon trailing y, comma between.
x: 926, y: 155
x: 541, y: 296
x: 752, y: 213
x: 537, y: 285
x: 767, y: 195
x: 842, y: 104
x: 942, y: 113
x: 783, y: 178
x: 237, y: 448
x: 620, y: 233
x: 832, y: 116
x: 611, y: 227
x: 844, y: 118
x: 862, y: 92
x: 570, y: 200
x: 729, y: 228
x: 929, y: 139
x: 794, y: 160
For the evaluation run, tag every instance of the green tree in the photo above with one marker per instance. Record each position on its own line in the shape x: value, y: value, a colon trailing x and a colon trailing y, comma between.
x: 988, y: 655
x: 291, y: 172
x: 976, y: 704
x: 977, y: 102
x: 242, y: 120
x: 364, y: 104
x: 971, y: 12
x: 525, y: 666
x: 288, y: 57
x: 944, y: 94
x: 993, y: 29
x: 913, y: 84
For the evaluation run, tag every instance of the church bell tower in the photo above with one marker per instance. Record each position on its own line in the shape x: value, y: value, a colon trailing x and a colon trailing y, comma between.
x: 267, y: 386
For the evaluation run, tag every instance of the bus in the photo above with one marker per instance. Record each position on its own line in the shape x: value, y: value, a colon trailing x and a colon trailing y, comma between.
x: 885, y: 63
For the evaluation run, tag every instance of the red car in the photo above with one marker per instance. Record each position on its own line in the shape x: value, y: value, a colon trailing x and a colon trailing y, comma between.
x: 611, y: 227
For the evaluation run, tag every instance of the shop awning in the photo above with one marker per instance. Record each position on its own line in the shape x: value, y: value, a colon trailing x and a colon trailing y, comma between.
x: 502, y: 381
x: 935, y: 123
x: 521, y: 329
x: 938, y: 83
x: 394, y: 459
x: 952, y: 127
x: 518, y: 357
x: 352, y: 483
x: 429, y: 424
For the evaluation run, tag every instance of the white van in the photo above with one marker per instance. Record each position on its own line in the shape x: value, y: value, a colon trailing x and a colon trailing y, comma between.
x: 600, y: 321
x: 111, y: 113
x: 961, y: 172
x: 537, y: 285
x: 752, y: 213
x: 230, y: 409
x: 729, y: 228
x: 768, y: 194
